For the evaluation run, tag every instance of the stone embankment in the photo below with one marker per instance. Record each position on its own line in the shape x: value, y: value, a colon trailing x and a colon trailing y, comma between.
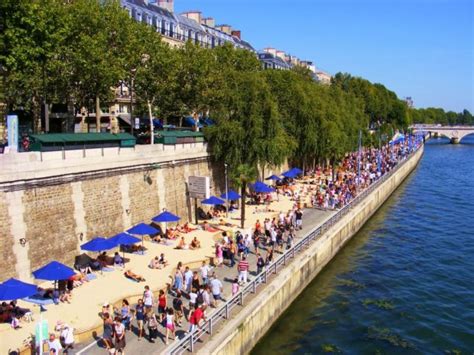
x: 240, y: 334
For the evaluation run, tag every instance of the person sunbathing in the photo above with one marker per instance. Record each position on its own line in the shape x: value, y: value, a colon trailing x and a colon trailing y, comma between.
x: 182, y: 245
x: 155, y: 263
x: 65, y: 296
x: 172, y: 234
x: 102, y: 259
x: 162, y: 260
x: 195, y: 244
x: 131, y: 275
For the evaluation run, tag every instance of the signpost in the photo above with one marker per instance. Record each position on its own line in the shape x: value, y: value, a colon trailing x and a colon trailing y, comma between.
x: 199, y: 187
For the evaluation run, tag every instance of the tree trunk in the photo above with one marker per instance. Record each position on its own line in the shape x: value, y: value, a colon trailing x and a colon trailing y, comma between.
x: 152, y: 131
x: 97, y: 114
x: 333, y: 170
x: 263, y: 172
x: 36, y: 112
x: 242, y: 204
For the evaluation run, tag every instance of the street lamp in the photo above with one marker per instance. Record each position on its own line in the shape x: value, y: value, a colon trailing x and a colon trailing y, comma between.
x: 132, y: 121
x: 226, y: 190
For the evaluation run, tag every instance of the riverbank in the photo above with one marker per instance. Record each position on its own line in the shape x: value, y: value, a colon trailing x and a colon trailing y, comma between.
x: 241, y: 333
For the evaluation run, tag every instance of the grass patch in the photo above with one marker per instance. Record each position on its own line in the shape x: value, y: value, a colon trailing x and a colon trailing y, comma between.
x: 330, y: 348
x: 382, y: 303
x: 384, y: 334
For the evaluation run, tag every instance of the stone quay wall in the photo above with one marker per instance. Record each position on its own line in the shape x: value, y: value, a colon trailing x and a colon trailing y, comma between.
x: 240, y: 334
x: 51, y: 203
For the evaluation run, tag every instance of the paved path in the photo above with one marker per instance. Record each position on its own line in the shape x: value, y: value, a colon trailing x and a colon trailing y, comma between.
x: 312, y: 218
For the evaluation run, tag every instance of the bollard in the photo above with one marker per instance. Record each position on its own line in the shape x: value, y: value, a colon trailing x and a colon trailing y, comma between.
x: 191, y: 342
x: 210, y: 326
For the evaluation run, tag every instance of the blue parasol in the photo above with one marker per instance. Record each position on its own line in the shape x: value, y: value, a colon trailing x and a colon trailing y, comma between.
x: 143, y: 229
x: 232, y: 195
x: 260, y: 187
x: 213, y: 200
x: 124, y: 239
x: 54, y: 271
x: 273, y: 177
x: 165, y: 217
x: 98, y: 244
x: 14, y: 289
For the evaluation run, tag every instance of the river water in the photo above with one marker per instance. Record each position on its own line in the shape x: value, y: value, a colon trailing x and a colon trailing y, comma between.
x: 405, y: 283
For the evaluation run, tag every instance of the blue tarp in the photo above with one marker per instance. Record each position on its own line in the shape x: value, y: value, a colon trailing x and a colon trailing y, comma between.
x: 260, y: 187
x: 189, y: 121
x: 165, y: 217
x: 14, y: 289
x: 232, y: 195
x: 143, y: 229
x: 54, y: 271
x: 213, y: 200
x: 98, y: 244
x: 124, y: 239
x: 292, y: 173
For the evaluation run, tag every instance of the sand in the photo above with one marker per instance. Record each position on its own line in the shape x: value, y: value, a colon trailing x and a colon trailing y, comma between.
x: 83, y: 312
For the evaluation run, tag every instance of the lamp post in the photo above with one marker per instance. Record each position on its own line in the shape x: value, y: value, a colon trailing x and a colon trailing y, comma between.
x: 132, y: 121
x: 226, y: 191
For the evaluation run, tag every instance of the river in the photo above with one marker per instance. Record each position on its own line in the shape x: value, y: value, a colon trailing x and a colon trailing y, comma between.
x: 405, y: 283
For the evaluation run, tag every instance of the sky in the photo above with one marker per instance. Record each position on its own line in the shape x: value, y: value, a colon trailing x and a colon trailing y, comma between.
x: 417, y: 48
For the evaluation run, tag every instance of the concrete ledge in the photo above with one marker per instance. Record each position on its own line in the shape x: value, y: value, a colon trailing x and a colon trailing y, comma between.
x: 240, y: 334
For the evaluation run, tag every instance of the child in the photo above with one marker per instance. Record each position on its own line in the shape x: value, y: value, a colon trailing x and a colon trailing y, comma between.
x: 169, y: 324
x: 235, y: 287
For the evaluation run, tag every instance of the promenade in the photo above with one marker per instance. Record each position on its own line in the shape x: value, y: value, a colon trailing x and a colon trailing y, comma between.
x: 312, y: 219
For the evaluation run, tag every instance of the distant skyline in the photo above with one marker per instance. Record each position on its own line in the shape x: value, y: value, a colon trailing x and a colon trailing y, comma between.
x: 417, y: 48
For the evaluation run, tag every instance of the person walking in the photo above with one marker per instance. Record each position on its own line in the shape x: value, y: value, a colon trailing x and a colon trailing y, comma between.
x: 152, y: 326
x: 162, y: 305
x: 119, y: 335
x: 108, y: 334
x: 216, y: 289
x: 147, y: 299
x: 169, y: 324
x: 205, y: 272
x: 178, y: 309
x: 243, y: 268
x: 140, y: 317
x: 260, y: 263
x: 67, y: 338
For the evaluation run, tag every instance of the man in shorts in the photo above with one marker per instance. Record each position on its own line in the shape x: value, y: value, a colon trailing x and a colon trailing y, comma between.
x: 216, y: 289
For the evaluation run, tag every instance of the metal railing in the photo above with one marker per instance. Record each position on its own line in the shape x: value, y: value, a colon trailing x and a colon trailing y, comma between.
x: 188, y: 341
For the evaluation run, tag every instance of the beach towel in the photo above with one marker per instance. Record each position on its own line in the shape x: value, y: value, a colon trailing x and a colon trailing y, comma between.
x: 91, y: 277
x: 37, y: 299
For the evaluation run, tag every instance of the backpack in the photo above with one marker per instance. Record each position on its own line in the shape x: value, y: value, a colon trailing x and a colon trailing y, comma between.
x: 177, y: 304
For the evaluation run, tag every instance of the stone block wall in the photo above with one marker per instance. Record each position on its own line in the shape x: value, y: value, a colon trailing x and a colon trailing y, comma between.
x: 56, y: 219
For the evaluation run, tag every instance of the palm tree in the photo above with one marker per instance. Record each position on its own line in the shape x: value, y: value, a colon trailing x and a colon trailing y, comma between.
x: 243, y: 174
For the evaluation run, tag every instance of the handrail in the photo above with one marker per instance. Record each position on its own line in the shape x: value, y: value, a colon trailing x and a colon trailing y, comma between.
x: 188, y: 341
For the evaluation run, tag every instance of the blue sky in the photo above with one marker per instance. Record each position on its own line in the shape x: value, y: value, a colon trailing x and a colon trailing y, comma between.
x: 418, y: 48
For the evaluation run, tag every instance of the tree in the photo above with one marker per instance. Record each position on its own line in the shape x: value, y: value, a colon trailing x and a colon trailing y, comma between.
x: 242, y: 175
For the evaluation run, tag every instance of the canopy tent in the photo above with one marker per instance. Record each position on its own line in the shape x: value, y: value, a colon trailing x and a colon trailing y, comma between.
x: 260, y: 187
x: 54, y: 271
x: 397, y: 138
x: 231, y: 195
x: 13, y: 289
x: 273, y: 177
x: 213, y: 200
x: 164, y: 217
x: 98, y: 244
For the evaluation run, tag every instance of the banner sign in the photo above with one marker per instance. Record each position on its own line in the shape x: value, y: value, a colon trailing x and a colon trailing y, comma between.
x: 199, y: 187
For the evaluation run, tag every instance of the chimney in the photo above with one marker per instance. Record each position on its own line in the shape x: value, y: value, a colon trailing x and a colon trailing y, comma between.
x: 224, y: 28
x: 236, y: 33
x: 209, y: 21
x: 193, y: 15
x: 166, y: 4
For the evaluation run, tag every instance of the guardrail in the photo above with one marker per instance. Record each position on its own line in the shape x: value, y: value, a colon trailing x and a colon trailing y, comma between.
x: 188, y: 341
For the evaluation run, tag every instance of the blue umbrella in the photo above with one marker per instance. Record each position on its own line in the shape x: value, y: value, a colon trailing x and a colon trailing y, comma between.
x: 165, y: 217
x: 124, y: 239
x: 213, y: 200
x: 54, y: 271
x: 260, y: 187
x: 98, y: 244
x: 232, y: 195
x: 297, y: 170
x: 290, y: 174
x: 14, y: 289
x: 273, y: 177
x: 143, y: 229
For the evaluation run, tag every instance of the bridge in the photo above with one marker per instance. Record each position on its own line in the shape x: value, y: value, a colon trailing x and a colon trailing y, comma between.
x: 454, y: 133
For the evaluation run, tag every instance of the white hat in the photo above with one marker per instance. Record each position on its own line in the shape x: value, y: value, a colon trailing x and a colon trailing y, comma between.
x: 106, y: 304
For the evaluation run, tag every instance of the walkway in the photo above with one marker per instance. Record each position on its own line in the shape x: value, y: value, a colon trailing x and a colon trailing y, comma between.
x: 312, y: 219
